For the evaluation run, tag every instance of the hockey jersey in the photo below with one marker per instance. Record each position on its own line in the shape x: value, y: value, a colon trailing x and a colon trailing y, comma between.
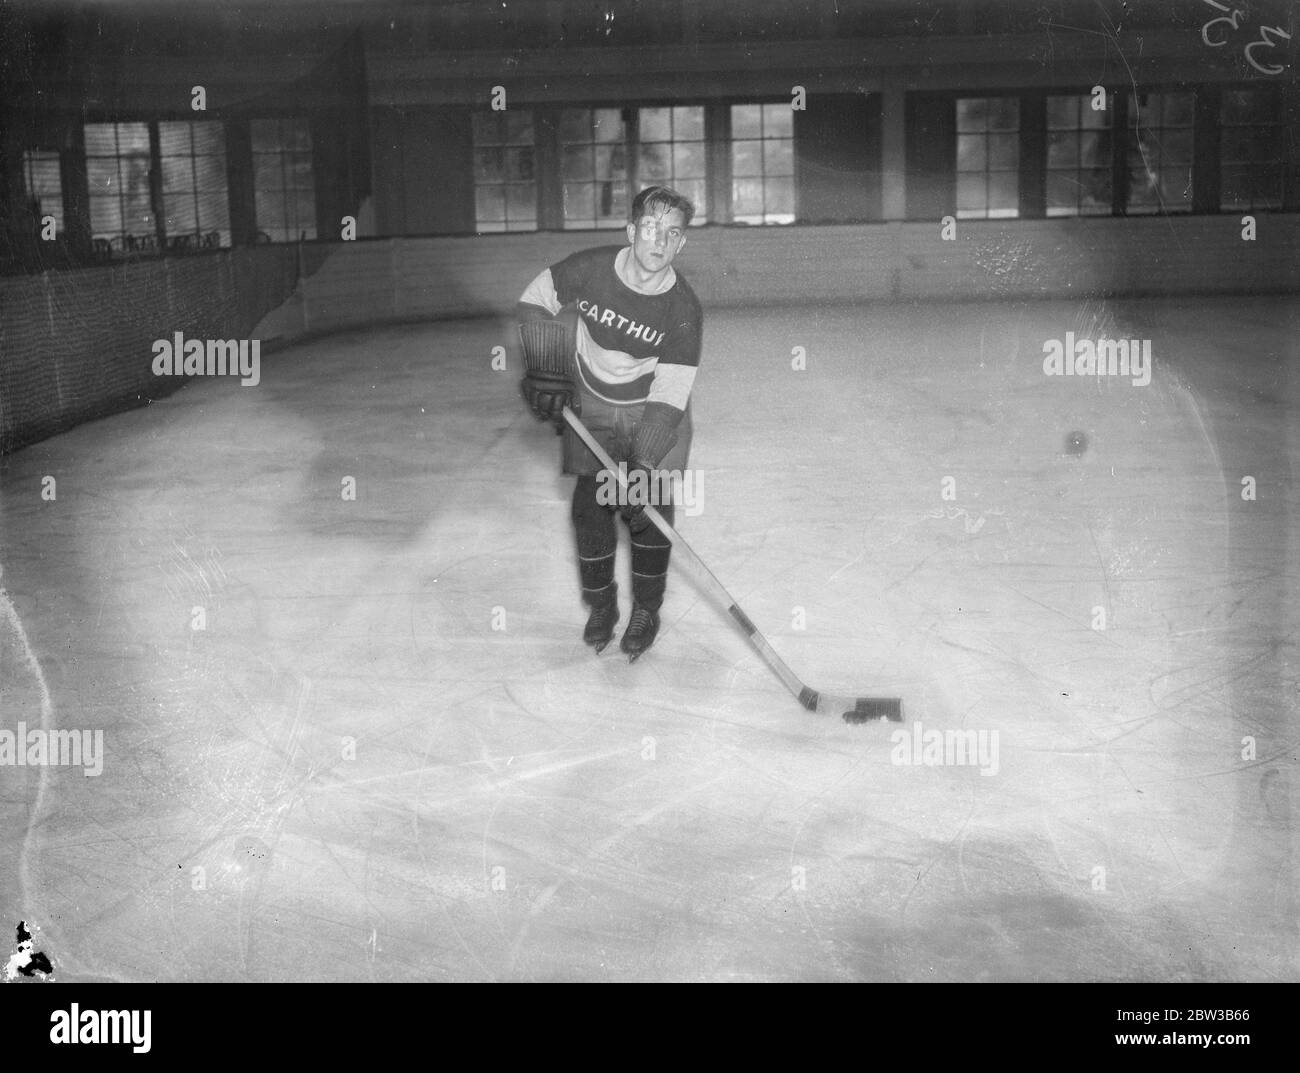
x: 632, y: 347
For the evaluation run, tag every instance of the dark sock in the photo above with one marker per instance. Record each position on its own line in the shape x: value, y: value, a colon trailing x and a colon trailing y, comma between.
x: 596, y: 539
x: 650, y: 551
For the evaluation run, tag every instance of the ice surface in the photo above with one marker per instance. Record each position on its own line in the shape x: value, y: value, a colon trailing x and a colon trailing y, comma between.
x: 515, y: 807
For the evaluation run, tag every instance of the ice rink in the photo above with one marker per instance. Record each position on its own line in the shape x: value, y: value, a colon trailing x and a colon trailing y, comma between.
x: 389, y: 756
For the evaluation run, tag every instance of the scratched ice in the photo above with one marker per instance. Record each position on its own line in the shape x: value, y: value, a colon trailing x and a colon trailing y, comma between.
x: 349, y: 773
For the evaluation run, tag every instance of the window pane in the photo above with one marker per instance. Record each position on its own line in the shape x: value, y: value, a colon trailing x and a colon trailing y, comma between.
x: 133, y: 138
x: 747, y: 197
x: 518, y: 127
x: 1090, y: 118
x: 1177, y: 109
x: 305, y: 207
x: 688, y: 161
x: 579, y: 202
x: 972, y: 115
x: 1143, y: 189
x: 214, y: 211
x: 1062, y: 193
x: 611, y: 162
x: 688, y: 123
x: 778, y: 157
x: 608, y: 125
x: 1235, y: 186
x: 972, y: 193
x: 519, y: 164
x: 268, y: 172
x: 41, y: 171
x: 182, y: 217
x: 1096, y: 191
x: 578, y: 162
x: 972, y: 152
x: 575, y: 125
x: 1176, y: 147
x: 1063, y: 149
x: 1267, y: 191
x: 137, y: 216
x: 1245, y: 145
x: 521, y: 202
x: 778, y: 121
x: 1062, y: 113
x: 486, y: 130
x: 1004, y: 113
x: 746, y: 121
x: 174, y: 139
x: 654, y: 164
x: 210, y: 173
x: 101, y: 139
x: 270, y: 210
x: 1004, y: 193
x: 489, y: 164
x: 612, y: 203
x: 103, y: 175
x: 105, y: 215
x: 1176, y: 185
x: 209, y: 138
x: 133, y: 173
x: 177, y: 173
x: 490, y: 202
x: 656, y: 125
x: 265, y: 134
x: 297, y: 168
x: 780, y: 197
x: 746, y: 159
x: 694, y: 189
x: 1004, y: 150
x: 1094, y: 149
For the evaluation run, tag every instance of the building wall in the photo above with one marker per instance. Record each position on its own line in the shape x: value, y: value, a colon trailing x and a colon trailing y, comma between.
x: 400, y: 279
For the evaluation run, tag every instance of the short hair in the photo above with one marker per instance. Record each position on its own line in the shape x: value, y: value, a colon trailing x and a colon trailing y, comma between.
x: 664, y: 198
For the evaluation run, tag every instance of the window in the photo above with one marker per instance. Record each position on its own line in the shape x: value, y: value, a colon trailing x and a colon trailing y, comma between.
x: 593, y: 164
x: 762, y: 163
x: 44, y: 185
x: 505, y: 185
x: 196, y: 210
x: 1250, y: 149
x: 671, y: 152
x: 1160, y: 152
x: 988, y: 158
x: 117, y: 164
x: 609, y: 154
x: 1079, y: 151
x: 283, y: 186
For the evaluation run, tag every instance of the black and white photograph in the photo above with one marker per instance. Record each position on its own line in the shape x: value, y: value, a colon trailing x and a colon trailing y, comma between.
x: 650, y: 491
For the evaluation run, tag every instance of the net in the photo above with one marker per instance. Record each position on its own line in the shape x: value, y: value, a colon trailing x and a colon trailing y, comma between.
x: 78, y: 345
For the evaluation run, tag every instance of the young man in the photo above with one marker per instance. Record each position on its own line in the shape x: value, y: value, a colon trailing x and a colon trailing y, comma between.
x: 637, y: 329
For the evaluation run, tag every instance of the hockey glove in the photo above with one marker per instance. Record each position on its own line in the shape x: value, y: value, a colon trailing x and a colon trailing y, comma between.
x: 651, y: 441
x: 548, y: 385
x: 548, y: 395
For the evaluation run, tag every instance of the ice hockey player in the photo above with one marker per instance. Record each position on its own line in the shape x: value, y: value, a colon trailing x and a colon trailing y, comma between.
x: 637, y: 329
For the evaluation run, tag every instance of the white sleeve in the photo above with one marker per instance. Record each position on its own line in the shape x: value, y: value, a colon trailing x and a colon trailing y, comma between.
x: 541, y: 292
x: 672, y: 385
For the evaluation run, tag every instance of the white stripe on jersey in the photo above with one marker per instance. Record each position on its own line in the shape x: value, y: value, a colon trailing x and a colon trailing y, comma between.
x: 541, y: 292
x: 672, y: 384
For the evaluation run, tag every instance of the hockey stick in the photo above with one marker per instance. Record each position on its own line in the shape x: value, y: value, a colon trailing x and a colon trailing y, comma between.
x: 853, y: 709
